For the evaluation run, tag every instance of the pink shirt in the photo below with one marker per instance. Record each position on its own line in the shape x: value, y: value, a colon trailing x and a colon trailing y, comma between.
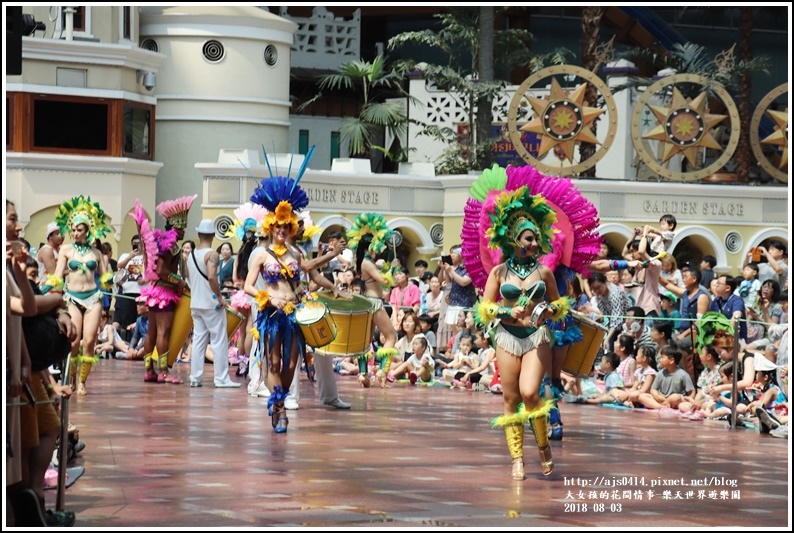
x: 648, y: 298
x: 624, y: 371
x: 407, y: 297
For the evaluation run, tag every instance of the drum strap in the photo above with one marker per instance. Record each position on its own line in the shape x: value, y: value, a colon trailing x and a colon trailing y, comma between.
x: 195, y: 262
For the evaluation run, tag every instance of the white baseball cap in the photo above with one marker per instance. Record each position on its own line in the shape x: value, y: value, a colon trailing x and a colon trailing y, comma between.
x: 52, y: 226
x: 206, y: 227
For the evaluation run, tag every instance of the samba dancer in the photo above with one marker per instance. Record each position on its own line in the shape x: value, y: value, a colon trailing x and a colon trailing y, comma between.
x: 521, y: 226
x: 367, y: 238
x: 575, y: 244
x: 86, y: 220
x: 281, y: 269
x: 162, y: 256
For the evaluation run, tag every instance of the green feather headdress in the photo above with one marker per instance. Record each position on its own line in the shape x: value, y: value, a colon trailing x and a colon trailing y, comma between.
x: 516, y: 211
x: 81, y: 210
x: 374, y: 224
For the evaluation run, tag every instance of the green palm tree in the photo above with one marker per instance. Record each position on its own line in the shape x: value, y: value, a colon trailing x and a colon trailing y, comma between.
x: 370, y: 83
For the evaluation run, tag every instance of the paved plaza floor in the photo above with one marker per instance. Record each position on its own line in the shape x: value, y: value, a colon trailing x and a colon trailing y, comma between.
x: 411, y: 456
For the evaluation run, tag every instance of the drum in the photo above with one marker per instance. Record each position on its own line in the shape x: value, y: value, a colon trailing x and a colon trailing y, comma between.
x: 233, y: 321
x: 353, y: 320
x: 180, y: 328
x: 581, y: 356
x: 316, y: 324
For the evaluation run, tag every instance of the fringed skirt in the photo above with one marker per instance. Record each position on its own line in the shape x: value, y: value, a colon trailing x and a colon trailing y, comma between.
x: 518, y: 340
x: 160, y: 296
x: 84, y: 299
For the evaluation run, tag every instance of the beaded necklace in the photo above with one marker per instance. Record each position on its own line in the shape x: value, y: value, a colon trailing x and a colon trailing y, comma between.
x: 82, y: 247
x: 522, y: 267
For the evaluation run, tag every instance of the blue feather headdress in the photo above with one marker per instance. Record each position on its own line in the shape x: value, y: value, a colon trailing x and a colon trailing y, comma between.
x: 282, y: 197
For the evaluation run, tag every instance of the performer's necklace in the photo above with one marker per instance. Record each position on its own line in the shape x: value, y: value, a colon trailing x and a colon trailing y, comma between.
x: 82, y: 247
x: 279, y: 249
x: 522, y: 267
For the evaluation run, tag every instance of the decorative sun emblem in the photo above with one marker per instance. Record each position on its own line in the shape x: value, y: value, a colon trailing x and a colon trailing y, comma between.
x: 685, y: 127
x: 562, y: 120
x: 768, y: 160
x: 780, y: 137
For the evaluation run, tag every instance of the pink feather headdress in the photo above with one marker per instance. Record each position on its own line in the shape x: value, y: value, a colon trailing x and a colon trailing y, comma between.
x: 175, y: 211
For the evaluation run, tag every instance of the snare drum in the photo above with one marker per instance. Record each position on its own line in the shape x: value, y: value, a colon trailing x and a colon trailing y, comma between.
x: 353, y: 320
x: 581, y: 356
x: 316, y: 323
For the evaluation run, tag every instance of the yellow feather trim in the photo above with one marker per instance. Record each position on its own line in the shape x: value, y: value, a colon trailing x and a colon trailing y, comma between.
x: 541, y: 410
x: 106, y: 280
x: 255, y: 334
x: 561, y: 307
x: 485, y: 311
x: 289, y: 308
x: 262, y: 298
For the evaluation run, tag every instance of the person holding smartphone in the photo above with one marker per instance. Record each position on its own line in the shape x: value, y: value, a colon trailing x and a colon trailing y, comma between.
x: 126, y: 310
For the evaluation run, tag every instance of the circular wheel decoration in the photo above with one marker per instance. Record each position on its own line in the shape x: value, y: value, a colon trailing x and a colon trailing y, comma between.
x: 684, y: 127
x: 778, y: 139
x: 562, y: 121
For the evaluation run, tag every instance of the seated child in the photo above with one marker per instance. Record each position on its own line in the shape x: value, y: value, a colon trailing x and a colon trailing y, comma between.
x: 672, y: 383
x: 624, y: 348
x: 108, y: 341
x: 420, y: 365
x: 454, y: 371
x: 481, y: 364
x: 612, y: 379
x: 643, y: 377
x: 709, y: 378
x: 720, y: 403
x: 769, y: 397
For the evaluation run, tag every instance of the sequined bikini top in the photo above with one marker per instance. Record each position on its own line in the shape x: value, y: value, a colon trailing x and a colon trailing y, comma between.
x: 536, y: 291
x: 273, y: 272
x: 74, y: 265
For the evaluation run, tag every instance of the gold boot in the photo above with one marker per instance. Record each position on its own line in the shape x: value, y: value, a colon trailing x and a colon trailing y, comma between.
x: 515, y: 444
x: 541, y: 429
x: 85, y: 368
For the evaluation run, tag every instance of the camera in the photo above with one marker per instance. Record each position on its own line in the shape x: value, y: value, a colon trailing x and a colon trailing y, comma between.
x: 637, y: 231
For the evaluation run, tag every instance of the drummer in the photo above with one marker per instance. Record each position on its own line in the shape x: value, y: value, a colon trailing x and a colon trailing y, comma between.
x: 367, y: 238
x: 208, y: 310
x: 323, y: 365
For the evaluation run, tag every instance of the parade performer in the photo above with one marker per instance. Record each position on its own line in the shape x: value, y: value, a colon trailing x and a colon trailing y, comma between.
x: 576, y: 245
x: 248, y: 218
x: 162, y: 255
x: 519, y: 224
x: 367, y: 238
x: 279, y: 335
x: 86, y: 221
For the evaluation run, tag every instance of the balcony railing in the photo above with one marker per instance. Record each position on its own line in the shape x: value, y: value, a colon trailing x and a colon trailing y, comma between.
x: 324, y: 41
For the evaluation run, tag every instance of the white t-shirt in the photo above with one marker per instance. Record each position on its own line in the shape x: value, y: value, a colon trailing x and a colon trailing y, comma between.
x: 135, y: 269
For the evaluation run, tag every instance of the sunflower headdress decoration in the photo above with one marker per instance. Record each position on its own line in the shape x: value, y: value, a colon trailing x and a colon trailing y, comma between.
x: 175, y: 211
x: 282, y: 197
x: 81, y: 210
x: 309, y: 228
x: 248, y: 217
x: 369, y: 223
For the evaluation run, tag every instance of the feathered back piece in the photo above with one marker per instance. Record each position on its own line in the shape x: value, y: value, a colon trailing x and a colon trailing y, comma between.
x: 155, y: 242
x: 248, y: 217
x: 374, y: 224
x: 716, y: 329
x: 282, y: 196
x: 175, y: 211
x: 81, y: 210
x: 575, y: 241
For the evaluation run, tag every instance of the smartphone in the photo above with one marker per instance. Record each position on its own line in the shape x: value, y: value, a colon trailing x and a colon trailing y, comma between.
x: 17, y: 248
x: 446, y: 259
x: 29, y: 394
x: 756, y: 255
